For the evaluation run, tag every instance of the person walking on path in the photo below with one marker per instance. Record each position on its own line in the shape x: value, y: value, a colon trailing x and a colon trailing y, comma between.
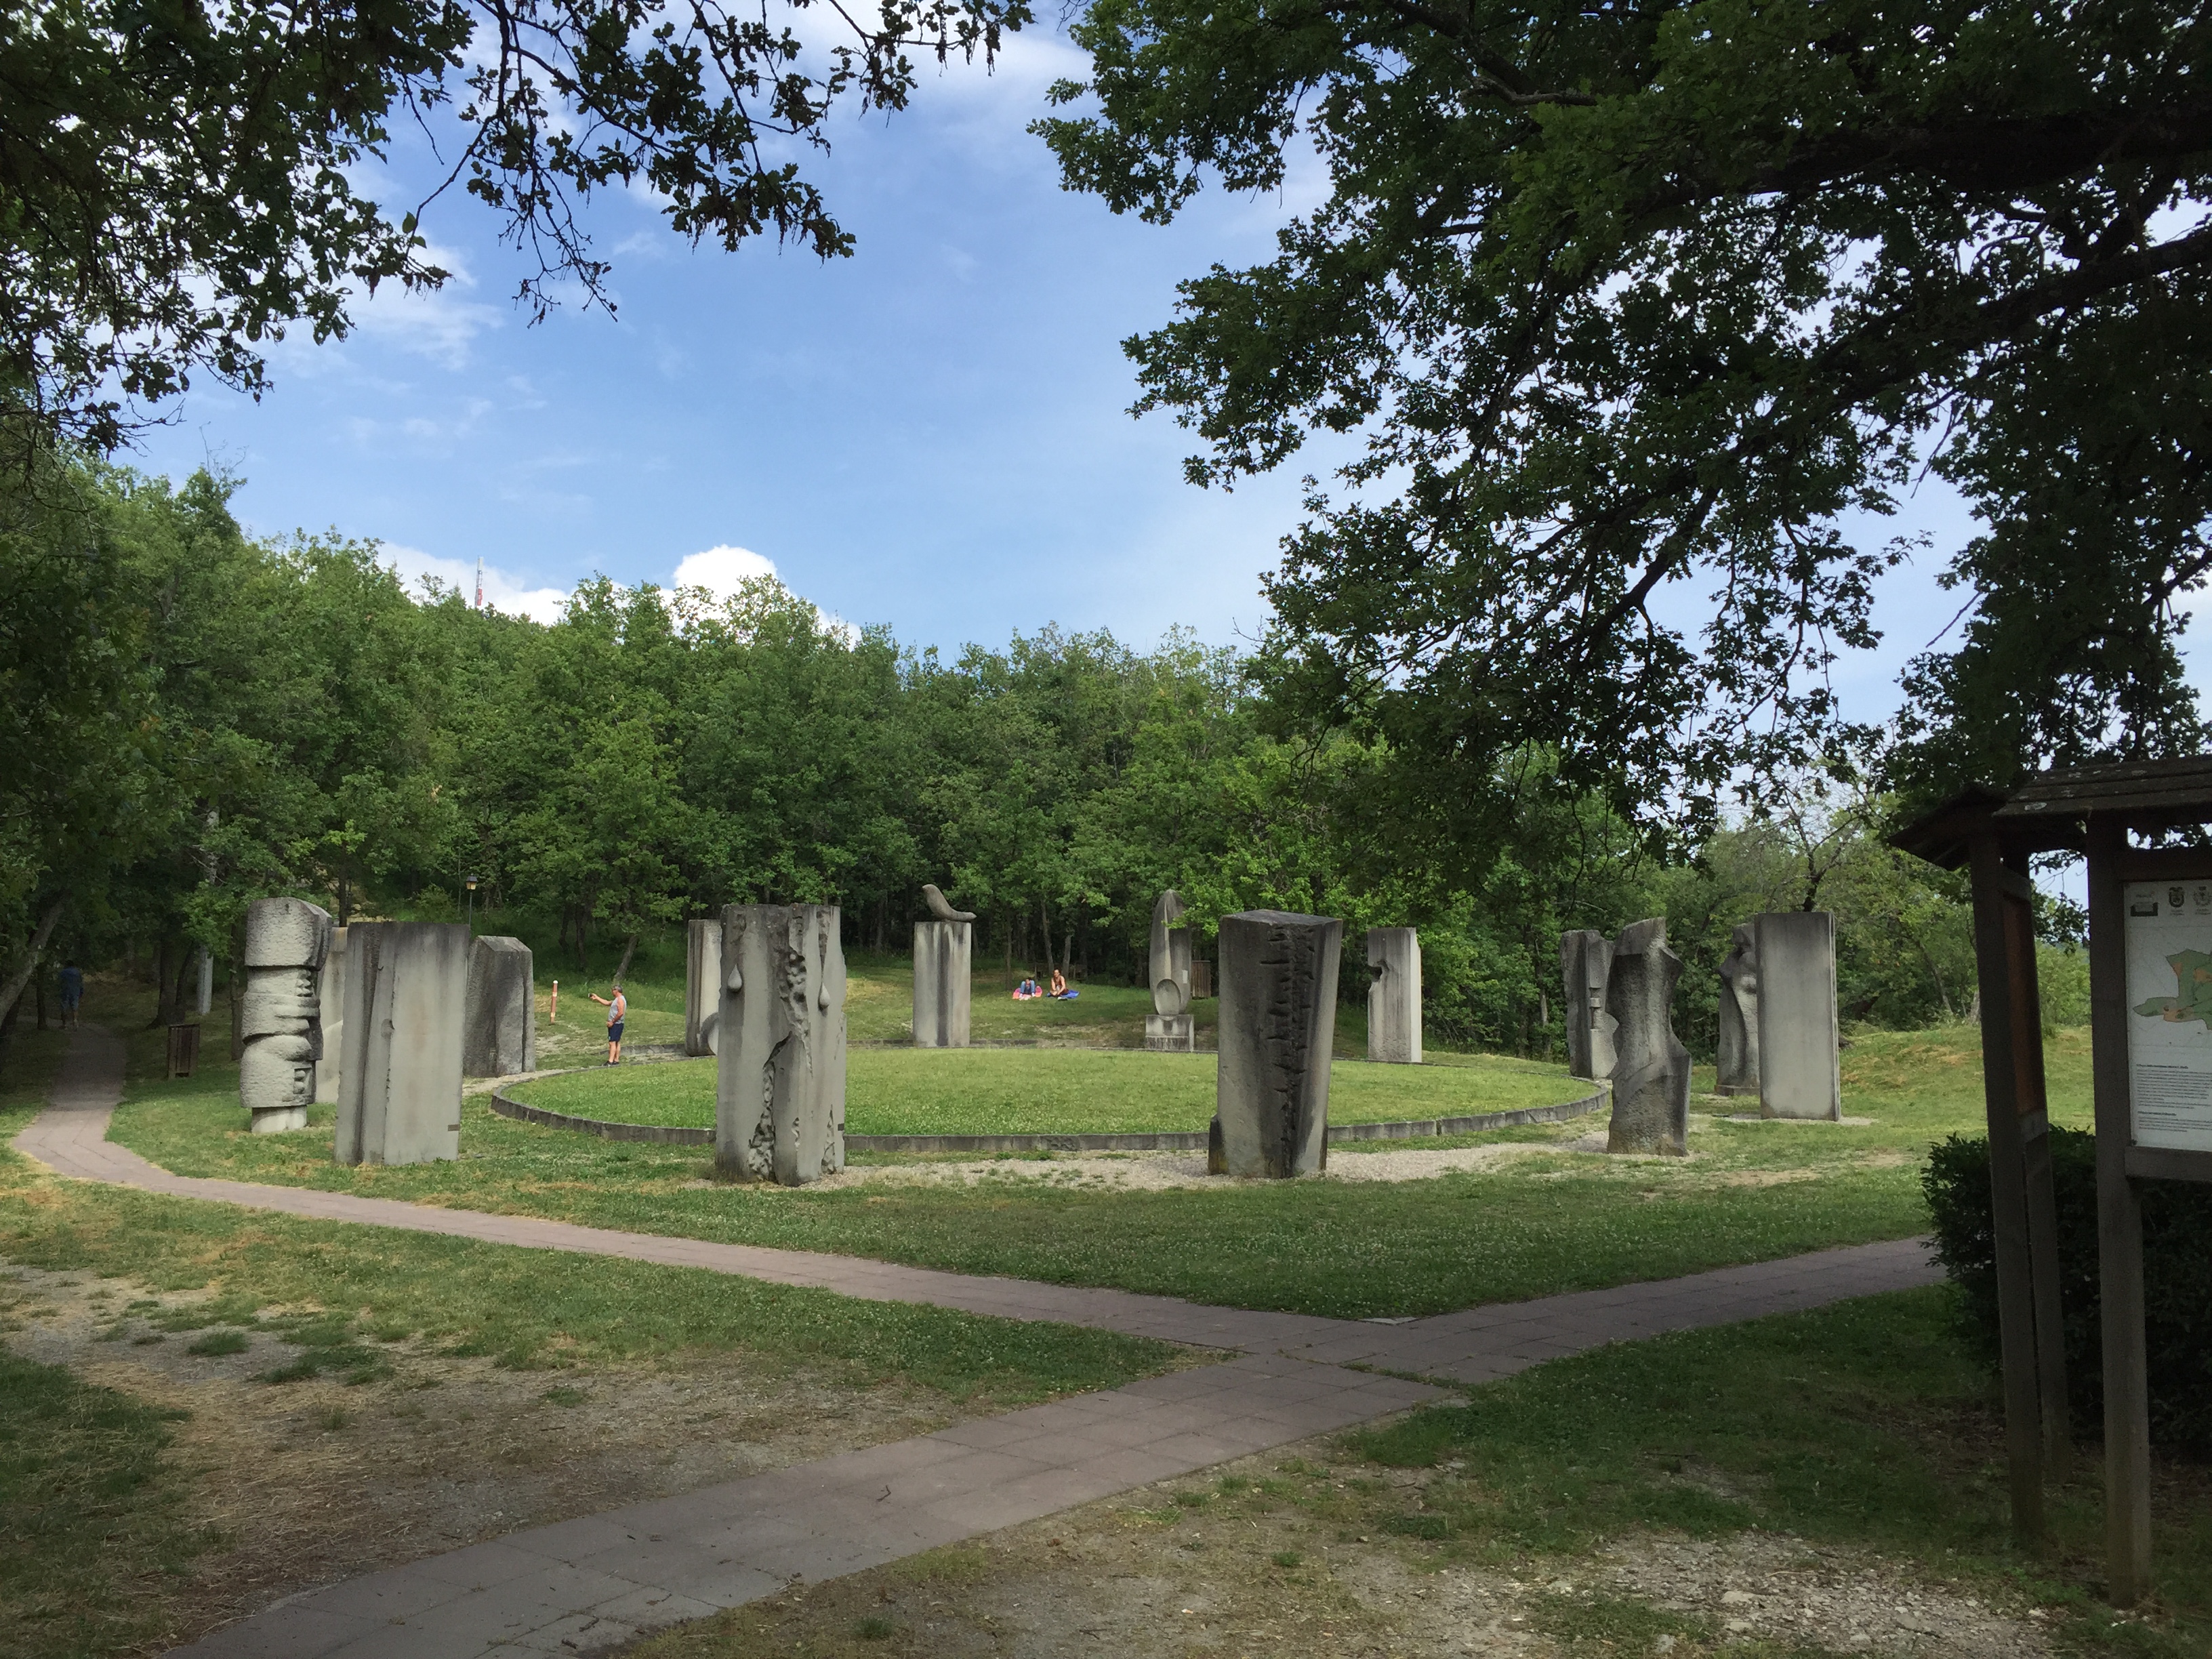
x: 72, y: 982
x: 615, y: 1010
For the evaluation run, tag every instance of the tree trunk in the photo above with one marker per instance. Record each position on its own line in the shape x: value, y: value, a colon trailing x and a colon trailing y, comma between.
x: 13, y: 989
x: 38, y: 991
x: 186, y: 998
x: 629, y: 950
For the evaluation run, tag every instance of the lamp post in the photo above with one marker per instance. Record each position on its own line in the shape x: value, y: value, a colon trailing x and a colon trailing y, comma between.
x: 472, y: 903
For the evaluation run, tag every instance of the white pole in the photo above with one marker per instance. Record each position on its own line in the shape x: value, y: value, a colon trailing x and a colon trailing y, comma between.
x: 207, y: 979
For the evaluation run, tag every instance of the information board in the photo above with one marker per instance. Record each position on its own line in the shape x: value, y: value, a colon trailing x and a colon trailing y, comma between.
x: 2169, y: 946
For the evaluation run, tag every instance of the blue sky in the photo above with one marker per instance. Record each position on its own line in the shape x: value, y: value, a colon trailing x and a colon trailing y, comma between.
x: 933, y: 434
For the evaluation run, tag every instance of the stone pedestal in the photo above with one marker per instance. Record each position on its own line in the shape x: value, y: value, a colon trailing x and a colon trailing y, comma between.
x: 280, y: 1024
x: 1797, y: 1046
x: 1278, y: 1025
x: 943, y: 983
x: 703, y: 985
x: 1172, y: 1033
x: 1394, y: 1000
x: 1169, y: 1027
x: 330, y: 989
x: 399, y: 1075
x: 1585, y: 956
x: 1736, y: 1063
x: 502, y: 1028
x: 780, y: 1084
x: 1650, y: 1067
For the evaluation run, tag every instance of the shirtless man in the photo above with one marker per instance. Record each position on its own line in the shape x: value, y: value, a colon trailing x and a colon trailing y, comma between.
x: 615, y: 1010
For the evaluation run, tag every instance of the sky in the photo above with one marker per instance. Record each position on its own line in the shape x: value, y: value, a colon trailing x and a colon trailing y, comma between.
x: 931, y: 435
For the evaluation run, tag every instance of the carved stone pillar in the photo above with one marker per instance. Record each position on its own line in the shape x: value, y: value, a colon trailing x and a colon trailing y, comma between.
x: 780, y: 1088
x: 1394, y: 1000
x: 1650, y: 1067
x: 281, y: 1022
x: 1278, y: 1028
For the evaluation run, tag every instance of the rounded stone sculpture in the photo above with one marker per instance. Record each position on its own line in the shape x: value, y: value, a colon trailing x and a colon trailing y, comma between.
x: 703, y: 985
x: 780, y: 1077
x: 281, y: 1012
x: 1650, y: 1067
x: 1736, y: 1051
x: 1170, y: 1026
x: 1394, y: 1000
x: 1278, y: 1029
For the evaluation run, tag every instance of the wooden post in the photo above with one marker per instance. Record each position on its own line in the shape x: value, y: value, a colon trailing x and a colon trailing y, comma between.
x: 2119, y: 1226
x: 2005, y: 1046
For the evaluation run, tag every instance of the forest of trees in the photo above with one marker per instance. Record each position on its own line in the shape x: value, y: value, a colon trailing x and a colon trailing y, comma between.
x: 201, y: 718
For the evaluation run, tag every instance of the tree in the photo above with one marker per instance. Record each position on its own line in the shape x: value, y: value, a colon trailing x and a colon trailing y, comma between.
x: 179, y: 182
x: 1622, y: 298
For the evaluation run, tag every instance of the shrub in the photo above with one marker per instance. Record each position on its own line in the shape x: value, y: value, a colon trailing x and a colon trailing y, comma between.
x: 2177, y: 1290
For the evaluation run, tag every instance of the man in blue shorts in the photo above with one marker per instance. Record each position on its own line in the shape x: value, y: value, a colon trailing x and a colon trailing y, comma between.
x: 72, y: 982
x: 615, y: 1010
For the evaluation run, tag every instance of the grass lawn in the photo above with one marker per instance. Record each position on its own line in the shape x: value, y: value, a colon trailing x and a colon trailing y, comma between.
x: 966, y: 1091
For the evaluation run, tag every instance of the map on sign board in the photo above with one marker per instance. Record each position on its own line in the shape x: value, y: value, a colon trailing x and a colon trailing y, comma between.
x: 2169, y: 950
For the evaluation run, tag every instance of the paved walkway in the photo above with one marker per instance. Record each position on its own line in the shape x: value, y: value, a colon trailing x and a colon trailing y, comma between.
x: 596, y: 1581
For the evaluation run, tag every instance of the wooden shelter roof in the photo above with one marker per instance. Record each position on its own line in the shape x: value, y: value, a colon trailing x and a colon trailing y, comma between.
x: 2048, y: 811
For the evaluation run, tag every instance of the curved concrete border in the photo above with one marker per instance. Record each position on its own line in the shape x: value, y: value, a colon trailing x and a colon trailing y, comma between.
x: 684, y: 1135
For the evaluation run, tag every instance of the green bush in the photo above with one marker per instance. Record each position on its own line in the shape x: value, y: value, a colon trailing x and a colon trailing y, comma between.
x: 2177, y: 1290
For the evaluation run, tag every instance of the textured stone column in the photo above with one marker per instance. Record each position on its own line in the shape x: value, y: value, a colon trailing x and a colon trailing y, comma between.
x: 1394, y: 1000
x: 501, y: 1025
x: 1585, y: 954
x: 780, y: 1086
x: 280, y: 1024
x: 1737, y: 1054
x: 1277, y: 1027
x: 1169, y: 1027
x: 399, y: 1076
x: 1798, y: 1057
x: 330, y: 992
x: 944, y: 984
x: 1650, y: 1067
x: 703, y: 985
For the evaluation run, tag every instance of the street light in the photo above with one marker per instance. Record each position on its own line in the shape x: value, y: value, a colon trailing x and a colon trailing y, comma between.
x: 472, y: 903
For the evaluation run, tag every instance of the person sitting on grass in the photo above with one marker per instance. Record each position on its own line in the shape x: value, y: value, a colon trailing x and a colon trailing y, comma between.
x: 1027, y: 991
x: 615, y: 1010
x: 1059, y: 991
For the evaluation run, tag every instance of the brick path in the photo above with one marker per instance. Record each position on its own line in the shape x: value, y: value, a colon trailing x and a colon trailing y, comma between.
x: 596, y: 1581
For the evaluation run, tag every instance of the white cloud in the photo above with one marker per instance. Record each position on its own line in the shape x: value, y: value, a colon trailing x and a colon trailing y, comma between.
x: 720, y: 569
x: 501, y: 590
x: 437, y: 323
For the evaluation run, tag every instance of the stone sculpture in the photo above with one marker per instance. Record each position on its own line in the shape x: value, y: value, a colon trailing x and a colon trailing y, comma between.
x: 1277, y: 1027
x: 1736, y: 1053
x: 703, y: 985
x: 1798, y: 1063
x: 399, y: 1075
x: 943, y: 983
x: 501, y: 1034
x: 1585, y: 954
x: 780, y: 1084
x: 1394, y: 1000
x: 1650, y: 1067
x: 1169, y: 1027
x: 330, y: 991
x: 280, y: 1022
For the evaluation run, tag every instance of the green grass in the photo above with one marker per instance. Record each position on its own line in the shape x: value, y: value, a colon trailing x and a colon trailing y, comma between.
x: 969, y: 1091
x: 90, y: 1517
x: 1863, y: 1425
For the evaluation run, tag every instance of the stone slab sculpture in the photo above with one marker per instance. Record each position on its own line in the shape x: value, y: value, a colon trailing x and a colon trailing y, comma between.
x: 280, y: 1011
x: 703, y: 985
x: 330, y: 992
x: 1650, y: 1067
x: 1798, y: 1062
x: 1169, y: 1027
x: 1585, y: 956
x: 944, y: 984
x: 399, y: 1074
x: 1278, y: 1029
x: 1394, y: 1000
x: 500, y: 1023
x: 780, y: 1078
x: 1736, y: 1052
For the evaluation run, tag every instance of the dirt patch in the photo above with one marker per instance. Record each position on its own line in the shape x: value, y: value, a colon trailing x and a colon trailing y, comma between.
x: 316, y: 1480
x: 1285, y: 1554
x: 1156, y: 1171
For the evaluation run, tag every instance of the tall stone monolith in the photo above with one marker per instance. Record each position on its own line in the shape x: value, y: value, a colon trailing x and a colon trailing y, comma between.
x: 1170, y: 1026
x: 1584, y: 957
x: 1650, y: 1067
x: 1736, y: 1062
x: 780, y: 1082
x: 330, y: 992
x: 1278, y: 1028
x: 1394, y: 1000
x: 501, y: 1037
x: 1798, y: 1063
x: 944, y: 981
x: 280, y: 1021
x: 399, y: 1074
x: 703, y: 985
